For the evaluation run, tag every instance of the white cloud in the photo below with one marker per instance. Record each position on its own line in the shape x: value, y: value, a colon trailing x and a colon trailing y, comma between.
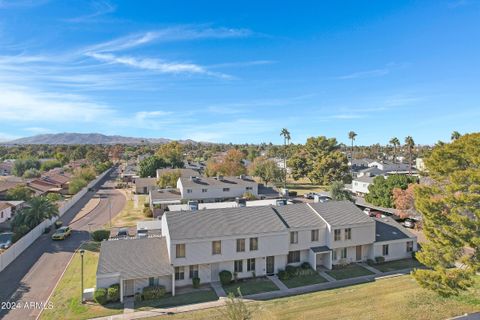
x: 100, y: 8
x: 365, y: 74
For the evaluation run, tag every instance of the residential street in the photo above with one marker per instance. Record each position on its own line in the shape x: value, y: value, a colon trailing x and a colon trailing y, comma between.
x: 33, y: 275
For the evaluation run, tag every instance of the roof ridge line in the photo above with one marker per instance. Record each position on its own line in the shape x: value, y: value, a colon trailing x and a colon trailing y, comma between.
x: 318, y: 214
x: 280, y: 217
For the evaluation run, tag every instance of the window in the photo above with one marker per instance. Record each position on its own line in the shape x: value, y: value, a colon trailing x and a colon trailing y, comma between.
x: 251, y: 264
x: 334, y: 255
x: 337, y: 235
x: 294, y: 237
x: 226, y: 189
x: 204, y: 190
x: 343, y: 253
x: 189, y: 190
x: 180, y: 250
x: 409, y: 246
x: 193, y: 271
x: 314, y: 235
x: 240, y: 245
x: 248, y: 188
x: 179, y: 273
x: 217, y: 247
x: 253, y: 244
x: 293, y: 256
x: 152, y: 281
x: 348, y: 234
x: 238, y: 266
x: 385, y: 250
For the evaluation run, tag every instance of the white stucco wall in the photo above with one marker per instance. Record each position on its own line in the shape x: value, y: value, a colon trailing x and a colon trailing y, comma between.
x: 361, y: 235
x: 397, y: 249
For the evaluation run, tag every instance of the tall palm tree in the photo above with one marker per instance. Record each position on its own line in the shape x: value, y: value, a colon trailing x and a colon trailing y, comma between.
x: 409, y: 143
x: 286, y: 138
x: 395, y: 143
x: 351, y: 136
x: 35, y: 212
x: 455, y: 135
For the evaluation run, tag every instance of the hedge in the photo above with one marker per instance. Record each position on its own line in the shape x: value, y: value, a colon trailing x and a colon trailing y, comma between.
x: 225, y: 277
x: 283, y: 275
x: 196, y: 282
x: 305, y: 265
x: 153, y: 292
x: 291, y: 270
x: 379, y: 259
x: 100, y: 235
x: 100, y: 296
x: 113, y: 293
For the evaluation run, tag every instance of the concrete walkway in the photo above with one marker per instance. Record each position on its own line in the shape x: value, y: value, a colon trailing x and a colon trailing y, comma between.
x: 326, y: 276
x: 369, y: 268
x: 277, y: 282
x: 217, y: 287
x: 128, y: 305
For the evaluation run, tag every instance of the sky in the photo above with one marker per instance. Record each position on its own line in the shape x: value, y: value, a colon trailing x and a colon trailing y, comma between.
x: 240, y: 71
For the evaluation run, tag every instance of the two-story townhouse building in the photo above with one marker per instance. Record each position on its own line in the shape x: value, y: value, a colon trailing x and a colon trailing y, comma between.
x: 210, y: 189
x: 250, y: 241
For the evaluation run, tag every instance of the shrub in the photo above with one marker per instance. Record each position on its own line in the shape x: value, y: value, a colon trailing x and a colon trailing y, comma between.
x: 196, y: 282
x: 370, y: 262
x: 147, y: 212
x: 225, y: 277
x: 292, y: 193
x: 291, y: 270
x: 113, y: 293
x: 138, y: 297
x: 379, y: 259
x: 100, y: 296
x: 153, y: 292
x: 100, y: 235
x: 305, y: 265
x: 282, y: 275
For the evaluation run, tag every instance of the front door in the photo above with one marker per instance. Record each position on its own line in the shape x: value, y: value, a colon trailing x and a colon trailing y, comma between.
x: 215, y: 269
x: 129, y: 284
x: 359, y: 253
x: 270, y: 265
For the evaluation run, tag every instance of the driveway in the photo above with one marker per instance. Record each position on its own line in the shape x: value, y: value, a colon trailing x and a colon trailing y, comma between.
x: 33, y: 275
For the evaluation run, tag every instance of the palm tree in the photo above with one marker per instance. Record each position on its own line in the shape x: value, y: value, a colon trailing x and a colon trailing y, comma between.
x: 351, y: 136
x: 395, y: 143
x: 409, y: 143
x: 35, y: 212
x: 455, y: 135
x: 286, y: 138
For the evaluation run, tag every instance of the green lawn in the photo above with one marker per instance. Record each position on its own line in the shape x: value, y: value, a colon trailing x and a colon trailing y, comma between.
x: 251, y: 286
x: 300, y: 281
x: 66, y: 297
x: 396, y: 298
x: 179, y: 300
x: 397, y: 265
x: 350, y: 271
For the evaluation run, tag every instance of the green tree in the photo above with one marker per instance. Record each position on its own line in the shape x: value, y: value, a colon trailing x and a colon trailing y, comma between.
x: 36, y: 211
x: 32, y: 173
x: 230, y: 164
x: 76, y: 184
x: 50, y: 164
x: 351, y: 136
x: 338, y: 192
x: 451, y: 216
x: 286, y: 139
x: 395, y: 143
x: 380, y: 192
x: 409, y: 143
x: 172, y: 154
x: 455, y: 135
x: 19, y: 193
x: 149, y: 166
x: 235, y: 308
x: 97, y: 155
x: 169, y: 179
x: 266, y: 169
x: 20, y: 166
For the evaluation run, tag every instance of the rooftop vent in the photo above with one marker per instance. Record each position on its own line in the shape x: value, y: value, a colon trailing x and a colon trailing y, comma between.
x: 193, y: 205
x: 241, y: 202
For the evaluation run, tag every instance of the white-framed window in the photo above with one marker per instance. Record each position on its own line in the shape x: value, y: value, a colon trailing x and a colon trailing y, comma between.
x: 248, y: 188
x: 337, y: 235
x: 314, y: 235
x: 343, y: 253
x: 385, y: 249
x: 294, y: 237
x: 153, y: 281
x: 180, y: 250
x: 204, y: 190
x: 240, y: 245
x: 251, y: 264
x: 179, y: 273
x: 348, y: 234
x: 253, y: 244
x: 217, y: 247
x: 238, y: 266
x: 226, y: 189
x: 193, y: 271
x: 409, y: 246
x: 293, y: 257
x: 189, y: 190
x: 334, y: 255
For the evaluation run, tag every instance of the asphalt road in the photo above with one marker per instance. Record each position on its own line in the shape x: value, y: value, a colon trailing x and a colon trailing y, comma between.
x: 34, y: 274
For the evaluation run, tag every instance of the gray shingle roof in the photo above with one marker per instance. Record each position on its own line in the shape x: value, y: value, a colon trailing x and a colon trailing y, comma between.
x: 165, y: 194
x: 338, y: 213
x: 223, y: 222
x: 300, y: 215
x: 135, y: 258
x: 366, y: 179
x: 224, y: 183
x: 320, y: 249
x: 387, y: 229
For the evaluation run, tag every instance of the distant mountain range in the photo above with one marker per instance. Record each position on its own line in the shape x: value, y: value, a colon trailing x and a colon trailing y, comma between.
x: 88, y: 138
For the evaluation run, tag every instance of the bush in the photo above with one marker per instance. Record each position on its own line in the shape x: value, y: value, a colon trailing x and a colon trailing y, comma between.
x: 100, y: 235
x: 282, y: 275
x: 370, y: 262
x: 100, y: 296
x: 305, y: 266
x: 292, y: 193
x: 379, y: 259
x: 225, y: 277
x: 113, y: 293
x: 291, y: 270
x: 147, y: 212
x: 138, y: 297
x: 153, y: 292
x: 196, y: 282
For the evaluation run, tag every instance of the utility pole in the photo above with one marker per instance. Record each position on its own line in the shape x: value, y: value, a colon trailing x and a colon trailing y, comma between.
x: 81, y: 255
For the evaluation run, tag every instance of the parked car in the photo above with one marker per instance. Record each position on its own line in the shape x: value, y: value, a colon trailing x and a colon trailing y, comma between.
x: 6, y: 240
x: 409, y: 223
x: 366, y: 211
x: 142, y: 233
x: 61, y: 233
x: 309, y: 195
x: 122, y: 233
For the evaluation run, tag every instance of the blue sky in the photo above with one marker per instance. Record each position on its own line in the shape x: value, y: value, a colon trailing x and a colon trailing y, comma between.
x: 239, y: 72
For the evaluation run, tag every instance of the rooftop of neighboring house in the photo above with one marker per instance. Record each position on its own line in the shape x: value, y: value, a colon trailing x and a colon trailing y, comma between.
x: 43, y: 185
x: 338, y: 213
x: 388, y: 229
x: 135, y: 258
x: 300, y: 216
x: 183, y: 172
x: 367, y: 179
x: 167, y: 195
x: 372, y: 171
x: 219, y: 182
x: 55, y: 178
x: 3, y: 205
x: 360, y: 162
x: 145, y: 182
x: 221, y: 205
x: 6, y: 185
x: 13, y: 203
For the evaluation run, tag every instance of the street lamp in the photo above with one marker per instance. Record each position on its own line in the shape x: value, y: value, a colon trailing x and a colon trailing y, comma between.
x: 81, y: 255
